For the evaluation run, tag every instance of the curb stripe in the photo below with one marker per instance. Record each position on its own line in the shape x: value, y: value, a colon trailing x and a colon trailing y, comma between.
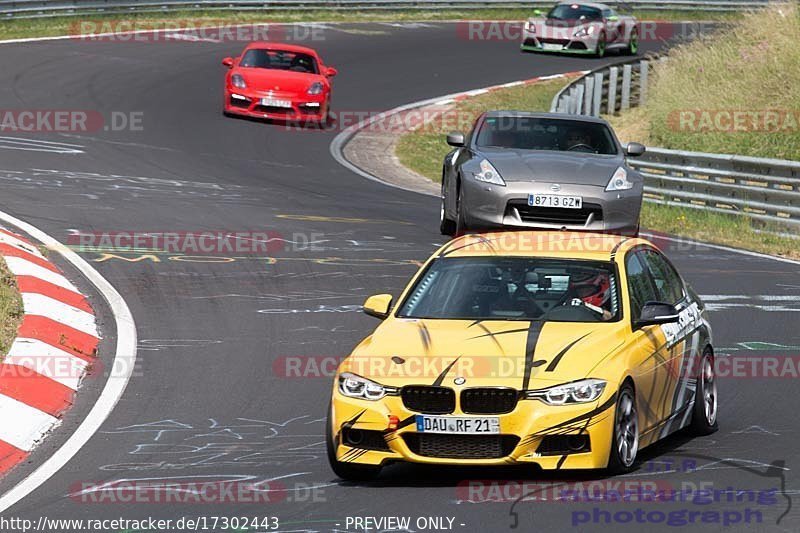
x: 5, y: 234
x: 40, y: 392
x: 21, y: 425
x: 10, y: 456
x: 22, y: 267
x: 40, y: 286
x: 58, y: 335
x: 16, y: 242
x: 38, y: 304
x: 8, y: 250
x: 55, y: 363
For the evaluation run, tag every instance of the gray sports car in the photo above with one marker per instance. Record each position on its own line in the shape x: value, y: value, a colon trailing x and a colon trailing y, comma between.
x: 540, y: 170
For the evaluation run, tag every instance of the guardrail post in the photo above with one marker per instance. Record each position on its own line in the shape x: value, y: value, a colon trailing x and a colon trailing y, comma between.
x: 588, y: 92
x: 644, y: 66
x: 579, y: 92
x: 626, y: 87
x: 598, y: 93
x: 613, y: 73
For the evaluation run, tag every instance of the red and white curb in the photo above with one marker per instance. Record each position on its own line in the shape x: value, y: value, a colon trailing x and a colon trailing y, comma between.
x: 55, y: 345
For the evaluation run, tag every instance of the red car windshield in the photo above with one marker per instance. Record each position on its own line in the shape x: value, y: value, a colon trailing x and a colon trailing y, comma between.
x: 279, y: 60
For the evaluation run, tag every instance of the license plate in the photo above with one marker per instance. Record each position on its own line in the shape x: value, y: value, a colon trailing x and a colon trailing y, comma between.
x: 553, y: 200
x: 552, y: 46
x: 274, y: 102
x: 462, y: 425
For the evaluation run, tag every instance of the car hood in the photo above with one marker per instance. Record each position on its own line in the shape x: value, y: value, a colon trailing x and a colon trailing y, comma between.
x: 263, y: 79
x: 485, y: 353
x: 558, y: 29
x: 549, y: 167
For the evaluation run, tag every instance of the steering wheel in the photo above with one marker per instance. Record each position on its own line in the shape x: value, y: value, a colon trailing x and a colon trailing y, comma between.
x: 582, y: 147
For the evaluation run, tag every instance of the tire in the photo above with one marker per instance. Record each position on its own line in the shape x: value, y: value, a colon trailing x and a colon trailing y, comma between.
x: 461, y: 221
x: 600, y: 50
x: 706, y: 407
x: 633, y: 43
x: 346, y: 471
x: 446, y: 226
x: 625, y: 435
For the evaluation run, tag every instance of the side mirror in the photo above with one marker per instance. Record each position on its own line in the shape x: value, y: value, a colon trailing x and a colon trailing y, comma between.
x: 378, y: 305
x: 613, y: 18
x: 455, y: 138
x: 331, y: 72
x: 654, y: 313
x: 228, y: 62
x: 538, y: 12
x: 635, y: 149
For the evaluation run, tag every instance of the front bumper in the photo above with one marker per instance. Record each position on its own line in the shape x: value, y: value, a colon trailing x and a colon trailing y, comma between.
x: 559, y: 45
x: 304, y: 107
x: 527, y: 426
x: 491, y: 207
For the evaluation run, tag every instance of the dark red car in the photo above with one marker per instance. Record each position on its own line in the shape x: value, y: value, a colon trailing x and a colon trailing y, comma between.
x: 278, y: 81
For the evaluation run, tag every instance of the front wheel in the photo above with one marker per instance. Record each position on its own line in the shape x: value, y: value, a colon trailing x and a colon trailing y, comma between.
x: 704, y: 414
x: 461, y: 219
x: 446, y: 226
x: 633, y: 44
x: 600, y: 50
x: 625, y: 438
x: 346, y: 471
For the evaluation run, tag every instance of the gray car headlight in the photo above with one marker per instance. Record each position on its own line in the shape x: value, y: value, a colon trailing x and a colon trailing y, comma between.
x: 237, y: 80
x: 355, y: 386
x: 583, y: 391
x: 584, y: 31
x: 489, y: 174
x: 619, y: 181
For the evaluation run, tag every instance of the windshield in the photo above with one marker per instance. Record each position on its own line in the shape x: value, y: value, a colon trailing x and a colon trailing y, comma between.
x: 279, y: 60
x: 515, y: 288
x: 533, y: 133
x: 574, y: 12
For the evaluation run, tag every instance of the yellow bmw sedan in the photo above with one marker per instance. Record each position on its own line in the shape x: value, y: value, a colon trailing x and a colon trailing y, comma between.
x: 557, y: 349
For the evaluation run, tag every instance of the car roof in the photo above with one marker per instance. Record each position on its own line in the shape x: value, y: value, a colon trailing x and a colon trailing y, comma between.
x: 537, y: 243
x: 586, y: 4
x: 556, y: 116
x: 281, y: 46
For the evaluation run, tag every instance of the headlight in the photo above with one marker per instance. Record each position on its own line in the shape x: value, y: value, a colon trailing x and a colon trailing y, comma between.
x: 583, y: 391
x: 357, y: 387
x: 619, y: 181
x: 584, y: 31
x: 316, y: 88
x: 489, y: 174
x: 530, y: 27
x: 238, y: 81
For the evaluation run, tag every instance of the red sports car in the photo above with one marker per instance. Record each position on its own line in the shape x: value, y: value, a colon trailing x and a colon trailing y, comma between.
x: 278, y: 81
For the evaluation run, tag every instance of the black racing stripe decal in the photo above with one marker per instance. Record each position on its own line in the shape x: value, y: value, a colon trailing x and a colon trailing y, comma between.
x: 494, y: 339
x: 594, y: 412
x: 494, y: 334
x: 561, y: 462
x: 534, y: 330
x: 554, y: 363
x: 348, y: 424
x: 425, y: 336
x: 616, y: 247
x: 441, y: 376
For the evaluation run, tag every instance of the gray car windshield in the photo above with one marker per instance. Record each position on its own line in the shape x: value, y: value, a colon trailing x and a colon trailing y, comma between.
x: 533, y: 133
x: 515, y: 288
x: 574, y: 12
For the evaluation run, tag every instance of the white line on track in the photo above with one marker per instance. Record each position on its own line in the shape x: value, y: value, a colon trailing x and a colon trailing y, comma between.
x: 124, y: 359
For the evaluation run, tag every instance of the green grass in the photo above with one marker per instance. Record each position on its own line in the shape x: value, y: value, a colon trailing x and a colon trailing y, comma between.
x: 753, y: 66
x: 10, y: 308
x: 423, y: 150
x: 45, y: 27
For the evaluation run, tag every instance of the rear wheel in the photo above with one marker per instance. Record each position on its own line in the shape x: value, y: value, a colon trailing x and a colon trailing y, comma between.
x: 704, y: 414
x: 633, y: 43
x: 346, y: 471
x: 625, y: 438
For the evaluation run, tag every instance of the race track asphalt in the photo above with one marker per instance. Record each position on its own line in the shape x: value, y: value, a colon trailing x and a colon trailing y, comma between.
x: 206, y: 401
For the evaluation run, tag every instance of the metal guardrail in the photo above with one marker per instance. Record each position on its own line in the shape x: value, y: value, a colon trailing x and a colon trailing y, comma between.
x: 49, y: 8
x: 762, y: 189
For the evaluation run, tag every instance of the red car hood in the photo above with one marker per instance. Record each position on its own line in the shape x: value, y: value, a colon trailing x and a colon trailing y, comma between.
x: 262, y: 79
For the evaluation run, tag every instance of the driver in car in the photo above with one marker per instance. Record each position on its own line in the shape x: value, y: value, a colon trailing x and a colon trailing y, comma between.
x: 594, y: 294
x: 579, y: 140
